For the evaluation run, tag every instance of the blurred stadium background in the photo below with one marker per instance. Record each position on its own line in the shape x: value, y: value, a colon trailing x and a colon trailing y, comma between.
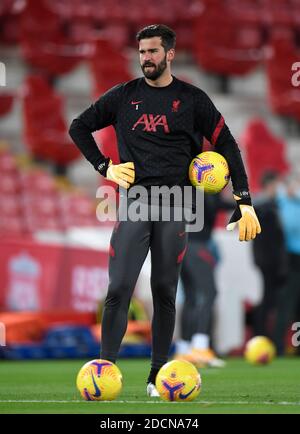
x: 60, y: 55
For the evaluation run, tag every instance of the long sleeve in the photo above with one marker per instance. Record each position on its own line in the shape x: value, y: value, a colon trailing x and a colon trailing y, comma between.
x: 99, y: 115
x: 211, y: 123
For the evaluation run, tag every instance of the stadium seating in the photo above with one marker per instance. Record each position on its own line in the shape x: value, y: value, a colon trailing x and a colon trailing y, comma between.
x: 44, y: 42
x: 45, y: 129
x: 107, y: 74
x: 77, y: 209
x: 264, y: 151
x: 284, y: 98
x: 38, y: 183
x: 8, y: 164
x: 9, y: 184
x: 5, y: 6
x: 246, y: 11
x: 32, y: 200
x: 10, y: 206
x: 6, y: 103
x: 56, y: 35
x: 234, y: 50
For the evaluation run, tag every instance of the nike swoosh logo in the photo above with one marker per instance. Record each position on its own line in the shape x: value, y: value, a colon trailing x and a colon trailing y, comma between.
x: 186, y: 395
x: 97, y: 390
x: 135, y: 102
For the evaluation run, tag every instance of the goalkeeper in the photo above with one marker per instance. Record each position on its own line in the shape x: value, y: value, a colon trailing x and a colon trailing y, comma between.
x: 159, y: 121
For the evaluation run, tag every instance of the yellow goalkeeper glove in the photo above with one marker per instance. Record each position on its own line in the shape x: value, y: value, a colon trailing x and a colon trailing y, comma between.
x: 123, y: 174
x: 245, y: 217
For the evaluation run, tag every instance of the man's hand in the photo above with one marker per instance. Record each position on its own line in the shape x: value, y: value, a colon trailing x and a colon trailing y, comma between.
x: 122, y: 174
x: 245, y: 217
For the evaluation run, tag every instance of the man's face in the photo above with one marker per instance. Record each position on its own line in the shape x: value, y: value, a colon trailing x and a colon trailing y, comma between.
x: 153, y: 58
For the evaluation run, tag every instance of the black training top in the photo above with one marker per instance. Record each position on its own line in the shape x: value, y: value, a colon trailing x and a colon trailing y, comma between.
x: 160, y: 129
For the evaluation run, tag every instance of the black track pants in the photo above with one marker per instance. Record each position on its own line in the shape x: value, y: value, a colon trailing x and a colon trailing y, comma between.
x: 130, y: 243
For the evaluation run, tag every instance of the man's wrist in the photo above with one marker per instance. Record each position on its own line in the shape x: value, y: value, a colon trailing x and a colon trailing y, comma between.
x: 242, y: 197
x: 103, y: 166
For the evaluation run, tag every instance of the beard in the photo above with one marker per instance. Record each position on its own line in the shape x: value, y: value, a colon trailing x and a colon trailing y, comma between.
x: 156, y: 71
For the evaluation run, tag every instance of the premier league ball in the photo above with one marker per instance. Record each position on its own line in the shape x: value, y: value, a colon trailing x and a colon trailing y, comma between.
x: 99, y: 380
x: 178, y: 380
x: 209, y: 170
x: 260, y: 350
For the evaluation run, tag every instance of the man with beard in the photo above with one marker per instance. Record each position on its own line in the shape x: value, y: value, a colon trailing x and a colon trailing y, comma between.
x: 160, y: 122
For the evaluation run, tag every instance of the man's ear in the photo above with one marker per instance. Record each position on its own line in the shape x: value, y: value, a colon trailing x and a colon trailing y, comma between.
x: 170, y: 54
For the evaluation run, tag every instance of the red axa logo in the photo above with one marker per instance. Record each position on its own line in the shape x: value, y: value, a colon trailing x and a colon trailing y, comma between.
x: 151, y: 122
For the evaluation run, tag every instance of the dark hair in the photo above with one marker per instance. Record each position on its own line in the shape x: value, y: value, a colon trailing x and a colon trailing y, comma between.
x: 167, y: 35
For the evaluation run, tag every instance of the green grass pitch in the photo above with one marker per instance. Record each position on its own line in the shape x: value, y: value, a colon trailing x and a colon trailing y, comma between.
x: 49, y: 387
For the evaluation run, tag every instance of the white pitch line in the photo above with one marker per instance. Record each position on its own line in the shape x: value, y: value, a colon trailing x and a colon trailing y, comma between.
x: 52, y: 401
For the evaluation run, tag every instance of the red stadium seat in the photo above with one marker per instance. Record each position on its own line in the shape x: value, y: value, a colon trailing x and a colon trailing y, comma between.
x: 45, y: 129
x: 184, y: 36
x: 11, y: 225
x: 39, y: 20
x: 38, y: 87
x: 40, y: 206
x: 6, y: 103
x: 82, y: 29
x: 109, y: 147
x: 108, y: 74
x: 10, y: 205
x: 33, y: 223
x: 8, y: 164
x: 44, y: 42
x: 108, y: 140
x: 284, y: 97
x: 245, y: 11
x: 77, y: 209
x: 10, y: 28
x: 77, y: 203
x: 38, y: 183
x: 31, y: 200
x: 234, y: 49
x: 264, y: 151
x: 280, y: 12
x: 72, y: 9
x: 117, y: 34
x: 9, y: 184
x: 6, y: 6
x: 52, y: 57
